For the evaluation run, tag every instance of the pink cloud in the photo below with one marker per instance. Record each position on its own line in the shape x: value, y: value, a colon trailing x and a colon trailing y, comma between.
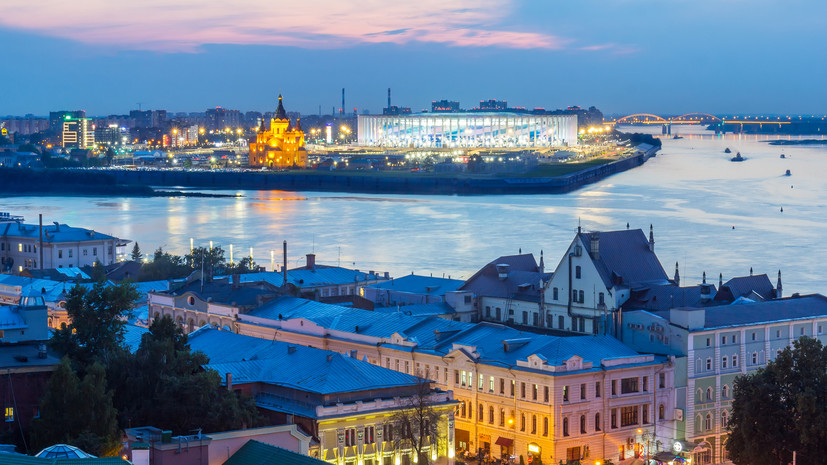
x: 185, y: 25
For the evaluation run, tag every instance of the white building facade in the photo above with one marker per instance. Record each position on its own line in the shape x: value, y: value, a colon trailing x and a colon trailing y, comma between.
x: 467, y: 130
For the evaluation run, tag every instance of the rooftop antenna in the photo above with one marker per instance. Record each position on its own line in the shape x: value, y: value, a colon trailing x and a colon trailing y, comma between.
x: 339, y: 261
x: 139, y: 106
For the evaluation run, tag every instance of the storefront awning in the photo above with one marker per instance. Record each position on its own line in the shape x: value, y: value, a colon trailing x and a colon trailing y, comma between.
x: 505, y: 442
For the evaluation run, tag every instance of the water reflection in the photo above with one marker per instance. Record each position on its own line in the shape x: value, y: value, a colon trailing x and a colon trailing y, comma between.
x: 691, y: 193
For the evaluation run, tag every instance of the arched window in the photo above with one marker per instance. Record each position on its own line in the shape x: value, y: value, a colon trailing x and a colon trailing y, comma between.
x: 522, y: 422
x: 582, y: 424
x: 491, y: 415
x: 661, y: 412
x: 534, y: 424
x: 709, y: 394
x: 545, y: 426
x: 698, y: 423
x: 700, y: 395
x: 597, y: 421
x: 565, y: 426
x: 708, y: 422
x: 481, y: 413
x: 723, y: 419
x: 725, y: 392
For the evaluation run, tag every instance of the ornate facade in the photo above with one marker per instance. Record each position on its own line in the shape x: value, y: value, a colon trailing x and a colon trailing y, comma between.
x: 280, y: 146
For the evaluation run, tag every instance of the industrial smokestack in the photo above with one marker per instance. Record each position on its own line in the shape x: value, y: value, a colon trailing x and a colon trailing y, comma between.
x: 343, y: 102
x: 389, y: 97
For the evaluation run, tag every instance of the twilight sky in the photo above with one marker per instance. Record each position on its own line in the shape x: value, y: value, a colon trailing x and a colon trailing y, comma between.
x: 623, y: 56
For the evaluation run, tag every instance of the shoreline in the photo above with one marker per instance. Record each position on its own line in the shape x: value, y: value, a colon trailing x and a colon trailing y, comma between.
x: 137, y: 183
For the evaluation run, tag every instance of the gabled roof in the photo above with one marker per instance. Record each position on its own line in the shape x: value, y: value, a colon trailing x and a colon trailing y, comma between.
x: 523, y: 278
x: 422, y: 285
x: 743, y: 286
x: 625, y: 258
x: 292, y: 366
x: 258, y: 453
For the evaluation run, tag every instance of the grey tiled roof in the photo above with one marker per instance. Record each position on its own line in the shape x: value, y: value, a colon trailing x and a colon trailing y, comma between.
x: 625, y: 257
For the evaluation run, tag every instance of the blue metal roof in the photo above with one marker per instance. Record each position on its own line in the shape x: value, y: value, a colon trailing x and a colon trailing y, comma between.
x: 52, y: 233
x: 440, y: 308
x: 320, y: 276
x: 438, y: 335
x: 750, y: 313
x: 10, y: 318
x: 625, y: 254
x: 423, y: 285
x: 251, y: 359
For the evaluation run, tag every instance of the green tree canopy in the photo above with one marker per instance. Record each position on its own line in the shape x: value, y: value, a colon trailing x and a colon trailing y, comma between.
x: 164, y: 266
x: 97, y: 317
x: 136, y: 252
x: 163, y: 384
x: 782, y: 408
x: 77, y: 412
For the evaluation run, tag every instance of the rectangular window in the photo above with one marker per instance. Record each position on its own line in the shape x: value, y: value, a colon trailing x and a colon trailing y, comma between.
x: 561, y: 320
x: 723, y: 340
x: 502, y: 417
x: 488, y: 312
x: 583, y: 391
x: 513, y: 383
x: 601, y: 299
x: 735, y: 360
x: 629, y: 416
x: 522, y: 390
x: 456, y: 376
x: 753, y: 336
x: 662, y: 380
x: 502, y: 385
x: 614, y: 418
x: 9, y: 413
x: 407, y: 367
x: 20, y: 247
x: 480, y: 382
x: 597, y: 389
x: 708, y: 364
x: 85, y: 252
x: 545, y: 393
x: 723, y: 362
x: 490, y: 384
x: 645, y: 414
x: 555, y: 294
x: 614, y: 387
x: 577, y: 272
x: 534, y: 392
x: 628, y: 385
x: 95, y: 251
x: 70, y: 253
x: 565, y: 393
x: 708, y: 341
x: 645, y: 384
x: 463, y: 378
x: 574, y: 295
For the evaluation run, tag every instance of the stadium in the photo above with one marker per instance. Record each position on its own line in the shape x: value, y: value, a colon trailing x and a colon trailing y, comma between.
x: 447, y: 130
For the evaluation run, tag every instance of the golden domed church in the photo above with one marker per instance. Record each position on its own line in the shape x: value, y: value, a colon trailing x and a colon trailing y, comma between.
x: 281, y: 146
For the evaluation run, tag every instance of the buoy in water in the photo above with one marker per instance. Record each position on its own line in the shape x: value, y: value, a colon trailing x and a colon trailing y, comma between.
x: 782, y: 209
x: 733, y: 227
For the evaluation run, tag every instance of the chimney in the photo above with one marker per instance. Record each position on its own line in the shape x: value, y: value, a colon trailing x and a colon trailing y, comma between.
x: 389, y: 98
x: 387, y: 275
x: 329, y: 357
x: 778, y: 288
x: 311, y: 261
x: 706, y: 293
x: 678, y: 275
x: 651, y: 238
x: 720, y: 280
x: 502, y: 271
x: 542, y: 265
x: 229, y: 381
x: 353, y: 354
x: 343, y: 102
x: 594, y: 245
x: 284, y: 268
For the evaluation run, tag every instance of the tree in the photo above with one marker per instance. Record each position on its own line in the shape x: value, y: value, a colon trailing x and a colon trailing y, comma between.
x: 417, y: 424
x: 78, y: 412
x: 782, y: 408
x: 136, y: 252
x: 97, y: 322
x: 164, y: 266
x: 246, y: 265
x: 163, y: 384
x: 210, y: 260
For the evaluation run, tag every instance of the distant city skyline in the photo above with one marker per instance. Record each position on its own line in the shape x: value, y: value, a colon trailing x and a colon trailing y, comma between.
x: 621, y: 56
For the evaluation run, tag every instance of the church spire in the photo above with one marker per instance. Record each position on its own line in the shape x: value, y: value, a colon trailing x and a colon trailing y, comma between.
x: 280, y: 112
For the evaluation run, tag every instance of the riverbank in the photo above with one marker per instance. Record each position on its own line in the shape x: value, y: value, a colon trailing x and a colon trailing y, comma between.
x: 382, y: 183
x: 131, y: 182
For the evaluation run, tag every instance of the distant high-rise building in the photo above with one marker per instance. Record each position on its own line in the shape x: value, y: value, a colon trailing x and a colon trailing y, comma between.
x: 56, y: 119
x: 220, y: 118
x: 445, y: 106
x: 110, y: 135
x: 493, y: 105
x: 395, y: 110
x: 77, y: 133
x: 149, y: 118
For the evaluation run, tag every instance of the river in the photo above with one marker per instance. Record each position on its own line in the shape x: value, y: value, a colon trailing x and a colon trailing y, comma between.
x: 709, y: 214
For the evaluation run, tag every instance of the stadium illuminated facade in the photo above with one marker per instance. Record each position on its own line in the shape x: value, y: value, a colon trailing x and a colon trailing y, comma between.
x: 467, y: 130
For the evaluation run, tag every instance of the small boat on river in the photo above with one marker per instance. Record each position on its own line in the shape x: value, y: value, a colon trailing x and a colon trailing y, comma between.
x: 737, y: 157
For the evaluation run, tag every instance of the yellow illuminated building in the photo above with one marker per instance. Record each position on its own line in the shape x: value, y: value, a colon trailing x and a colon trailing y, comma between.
x: 280, y: 146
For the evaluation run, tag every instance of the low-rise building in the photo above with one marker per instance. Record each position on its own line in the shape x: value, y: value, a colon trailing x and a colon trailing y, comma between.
x: 409, y: 290
x: 32, y: 246
x: 556, y: 398
x: 347, y: 405
x: 712, y: 346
